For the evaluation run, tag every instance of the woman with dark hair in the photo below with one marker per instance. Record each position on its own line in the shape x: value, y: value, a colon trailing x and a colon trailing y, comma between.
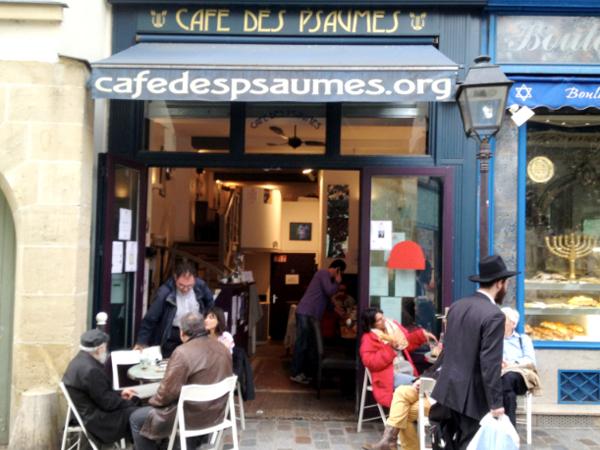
x: 384, y: 350
x: 216, y: 325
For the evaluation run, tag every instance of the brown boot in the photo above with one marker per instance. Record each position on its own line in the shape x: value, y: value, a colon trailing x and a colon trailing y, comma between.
x: 389, y: 440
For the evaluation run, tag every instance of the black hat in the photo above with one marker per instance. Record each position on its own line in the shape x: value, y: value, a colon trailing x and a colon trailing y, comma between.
x: 492, y: 268
x: 93, y: 338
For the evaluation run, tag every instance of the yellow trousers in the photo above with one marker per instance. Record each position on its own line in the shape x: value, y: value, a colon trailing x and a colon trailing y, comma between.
x: 404, y: 411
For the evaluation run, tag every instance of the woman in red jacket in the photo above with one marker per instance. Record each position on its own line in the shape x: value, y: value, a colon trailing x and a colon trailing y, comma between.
x: 384, y: 350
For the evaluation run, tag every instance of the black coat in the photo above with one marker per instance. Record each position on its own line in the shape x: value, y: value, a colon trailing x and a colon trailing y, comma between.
x: 469, y: 381
x: 158, y: 321
x: 104, y: 413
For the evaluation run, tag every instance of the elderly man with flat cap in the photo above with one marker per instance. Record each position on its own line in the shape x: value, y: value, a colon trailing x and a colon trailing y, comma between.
x: 469, y: 384
x: 105, y: 412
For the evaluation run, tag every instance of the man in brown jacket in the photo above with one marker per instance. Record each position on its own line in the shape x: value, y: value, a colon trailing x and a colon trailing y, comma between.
x: 200, y: 360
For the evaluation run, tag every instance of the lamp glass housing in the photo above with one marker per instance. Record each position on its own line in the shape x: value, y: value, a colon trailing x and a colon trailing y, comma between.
x: 482, y: 109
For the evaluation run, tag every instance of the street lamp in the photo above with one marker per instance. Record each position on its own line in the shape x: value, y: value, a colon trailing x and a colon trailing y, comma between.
x: 481, y: 101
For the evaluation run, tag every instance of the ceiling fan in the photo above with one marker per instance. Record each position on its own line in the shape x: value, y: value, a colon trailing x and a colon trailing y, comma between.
x: 293, y: 141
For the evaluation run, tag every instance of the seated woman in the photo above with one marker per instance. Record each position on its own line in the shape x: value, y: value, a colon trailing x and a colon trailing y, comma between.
x: 216, y: 325
x: 409, y: 322
x: 404, y: 411
x: 519, y: 373
x: 384, y: 350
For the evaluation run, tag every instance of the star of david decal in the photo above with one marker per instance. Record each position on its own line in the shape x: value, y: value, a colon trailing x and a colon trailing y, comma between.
x: 523, y: 92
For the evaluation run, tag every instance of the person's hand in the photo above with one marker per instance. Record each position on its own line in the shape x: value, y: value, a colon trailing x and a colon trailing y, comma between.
x: 139, y: 347
x: 430, y: 336
x: 128, y: 393
x: 338, y: 276
x: 497, y: 413
x: 504, y: 364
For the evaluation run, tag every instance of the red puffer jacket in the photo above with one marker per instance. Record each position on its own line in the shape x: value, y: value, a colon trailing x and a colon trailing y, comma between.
x: 379, y: 357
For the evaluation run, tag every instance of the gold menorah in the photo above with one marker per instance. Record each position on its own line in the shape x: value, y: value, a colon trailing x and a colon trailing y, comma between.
x: 572, y: 247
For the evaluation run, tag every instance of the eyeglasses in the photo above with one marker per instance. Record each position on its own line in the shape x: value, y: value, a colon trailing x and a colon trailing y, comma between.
x: 184, y: 287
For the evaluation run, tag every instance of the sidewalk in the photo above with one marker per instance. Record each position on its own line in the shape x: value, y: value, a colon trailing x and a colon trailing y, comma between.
x: 279, y: 434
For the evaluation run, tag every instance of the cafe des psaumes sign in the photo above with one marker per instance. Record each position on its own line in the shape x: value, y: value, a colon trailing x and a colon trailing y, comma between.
x: 274, y: 21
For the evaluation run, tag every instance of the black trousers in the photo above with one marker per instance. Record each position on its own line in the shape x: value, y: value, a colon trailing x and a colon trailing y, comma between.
x: 513, y: 384
x: 456, y: 429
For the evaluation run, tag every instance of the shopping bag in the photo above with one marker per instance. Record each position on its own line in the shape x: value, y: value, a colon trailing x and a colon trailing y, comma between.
x: 495, y: 434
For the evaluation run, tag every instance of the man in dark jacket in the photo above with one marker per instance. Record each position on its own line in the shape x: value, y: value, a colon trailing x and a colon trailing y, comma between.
x: 105, y: 412
x: 469, y: 384
x: 200, y: 360
x: 183, y: 293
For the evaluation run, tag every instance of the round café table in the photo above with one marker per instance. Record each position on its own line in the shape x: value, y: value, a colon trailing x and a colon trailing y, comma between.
x: 147, y: 373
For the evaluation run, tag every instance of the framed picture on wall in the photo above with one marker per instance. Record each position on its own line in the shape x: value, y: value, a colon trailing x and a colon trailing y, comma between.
x: 300, y: 231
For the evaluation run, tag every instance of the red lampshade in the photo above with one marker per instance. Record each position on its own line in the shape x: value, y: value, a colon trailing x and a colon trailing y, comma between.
x: 406, y: 255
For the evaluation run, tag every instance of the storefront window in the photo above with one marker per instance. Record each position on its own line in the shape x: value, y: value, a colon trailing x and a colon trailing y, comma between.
x: 562, y: 280
x: 405, y: 225
x: 188, y: 127
x: 384, y: 129
x: 290, y: 128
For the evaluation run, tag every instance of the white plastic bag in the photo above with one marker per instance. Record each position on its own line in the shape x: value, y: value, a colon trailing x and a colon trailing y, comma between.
x: 495, y: 434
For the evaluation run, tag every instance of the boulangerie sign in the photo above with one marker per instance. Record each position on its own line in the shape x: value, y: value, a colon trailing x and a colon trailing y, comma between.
x: 548, y: 40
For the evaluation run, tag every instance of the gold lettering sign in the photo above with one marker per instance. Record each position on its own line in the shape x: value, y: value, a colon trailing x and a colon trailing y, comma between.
x: 158, y: 19
x: 308, y: 21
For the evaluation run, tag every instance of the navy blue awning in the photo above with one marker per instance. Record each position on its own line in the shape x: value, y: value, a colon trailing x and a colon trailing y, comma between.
x: 262, y: 72
x: 555, y: 92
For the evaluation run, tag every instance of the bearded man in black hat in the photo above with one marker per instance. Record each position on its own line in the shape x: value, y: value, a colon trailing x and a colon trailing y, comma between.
x: 469, y: 384
x: 104, y: 412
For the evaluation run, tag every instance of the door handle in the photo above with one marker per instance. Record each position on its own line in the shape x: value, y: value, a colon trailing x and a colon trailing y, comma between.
x: 274, y: 299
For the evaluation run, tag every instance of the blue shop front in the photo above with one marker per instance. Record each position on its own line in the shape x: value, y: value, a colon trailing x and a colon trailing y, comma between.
x: 547, y: 187
x: 234, y: 125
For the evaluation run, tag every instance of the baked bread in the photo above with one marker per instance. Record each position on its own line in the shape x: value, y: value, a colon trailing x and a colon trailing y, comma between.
x: 582, y: 300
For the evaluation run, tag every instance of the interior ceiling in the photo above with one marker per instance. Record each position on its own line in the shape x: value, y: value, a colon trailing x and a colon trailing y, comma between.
x: 264, y: 175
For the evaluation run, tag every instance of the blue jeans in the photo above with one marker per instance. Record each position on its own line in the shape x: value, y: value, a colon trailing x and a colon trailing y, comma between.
x: 304, y: 338
x: 136, y: 420
x: 401, y: 379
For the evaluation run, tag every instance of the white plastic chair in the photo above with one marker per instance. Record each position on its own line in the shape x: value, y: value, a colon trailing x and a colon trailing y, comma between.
x: 368, y: 386
x: 80, y: 428
x: 240, y: 406
x: 425, y: 389
x: 528, y: 406
x: 122, y: 358
x: 205, y: 393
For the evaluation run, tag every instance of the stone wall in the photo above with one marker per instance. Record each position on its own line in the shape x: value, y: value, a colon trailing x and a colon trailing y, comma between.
x: 46, y: 173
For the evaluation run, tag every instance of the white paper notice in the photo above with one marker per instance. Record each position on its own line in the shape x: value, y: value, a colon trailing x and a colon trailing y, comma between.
x: 391, y: 307
x: 292, y: 278
x: 404, y: 283
x: 117, y: 257
x: 124, y: 224
x: 131, y: 253
x: 381, y: 234
x: 378, y: 281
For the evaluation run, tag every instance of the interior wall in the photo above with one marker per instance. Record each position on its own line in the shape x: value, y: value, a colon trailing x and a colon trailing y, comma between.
x: 305, y: 210
x: 261, y: 218
x: 171, y: 215
x: 352, y: 179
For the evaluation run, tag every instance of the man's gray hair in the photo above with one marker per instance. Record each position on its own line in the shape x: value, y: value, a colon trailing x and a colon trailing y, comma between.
x: 512, y: 314
x: 192, y: 324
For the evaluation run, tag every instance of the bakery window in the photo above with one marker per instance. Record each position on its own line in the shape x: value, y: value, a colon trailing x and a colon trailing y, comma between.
x: 562, y: 268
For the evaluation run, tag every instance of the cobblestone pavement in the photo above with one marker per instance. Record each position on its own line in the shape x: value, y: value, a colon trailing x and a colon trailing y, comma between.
x: 280, y: 434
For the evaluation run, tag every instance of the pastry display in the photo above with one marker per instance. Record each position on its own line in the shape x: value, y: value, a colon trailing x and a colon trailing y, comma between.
x: 548, y: 330
x: 556, y: 305
x: 544, y: 276
x: 582, y: 300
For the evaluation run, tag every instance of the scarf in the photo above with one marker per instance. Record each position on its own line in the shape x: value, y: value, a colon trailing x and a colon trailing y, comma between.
x: 392, y: 333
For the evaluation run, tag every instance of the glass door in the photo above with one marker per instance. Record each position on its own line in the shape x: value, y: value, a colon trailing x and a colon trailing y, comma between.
x: 406, y: 245
x: 122, y: 217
